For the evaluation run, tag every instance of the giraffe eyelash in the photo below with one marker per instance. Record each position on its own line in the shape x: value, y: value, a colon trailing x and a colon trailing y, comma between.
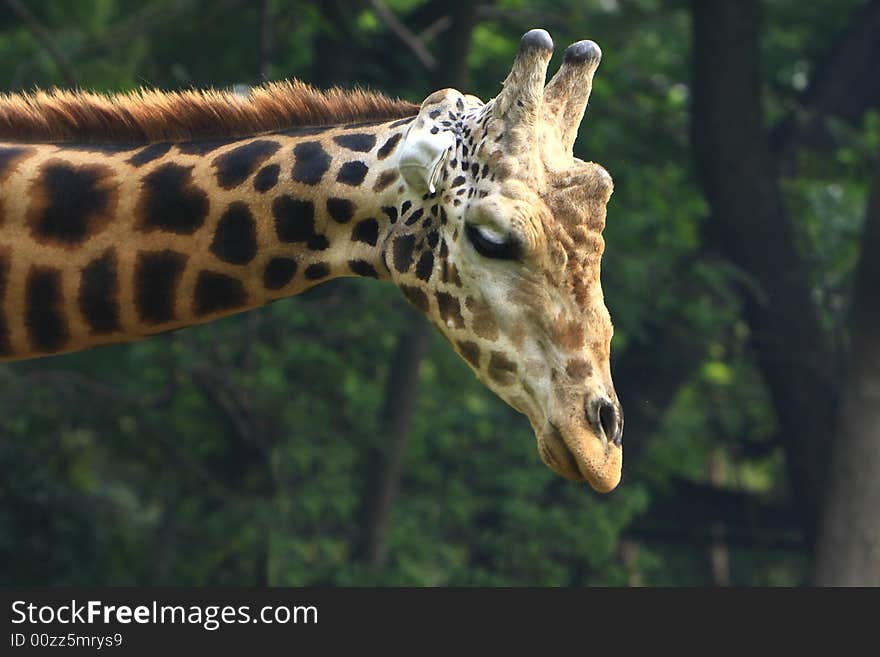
x: 490, y: 244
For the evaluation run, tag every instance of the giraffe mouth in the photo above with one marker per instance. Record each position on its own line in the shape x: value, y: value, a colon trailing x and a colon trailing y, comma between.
x: 581, y: 456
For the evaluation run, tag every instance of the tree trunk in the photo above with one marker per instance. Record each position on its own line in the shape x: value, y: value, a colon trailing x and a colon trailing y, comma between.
x: 741, y: 185
x: 453, y: 71
x: 719, y: 555
x: 848, y: 552
x: 400, y: 399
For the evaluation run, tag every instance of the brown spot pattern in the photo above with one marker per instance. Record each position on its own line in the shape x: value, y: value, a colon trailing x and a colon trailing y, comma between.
x: 389, y: 146
x: 470, y: 351
x: 578, y: 369
x: 70, y: 202
x: 501, y: 369
x: 483, y: 323
x: 44, y: 316
x: 416, y: 296
x: 10, y: 157
x: 568, y: 334
x: 385, y: 179
x: 450, y: 309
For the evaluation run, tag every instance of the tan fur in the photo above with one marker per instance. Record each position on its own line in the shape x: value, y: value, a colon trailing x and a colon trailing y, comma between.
x: 147, y: 115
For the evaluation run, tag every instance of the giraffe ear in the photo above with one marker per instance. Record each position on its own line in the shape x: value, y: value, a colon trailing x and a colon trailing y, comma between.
x: 422, y: 155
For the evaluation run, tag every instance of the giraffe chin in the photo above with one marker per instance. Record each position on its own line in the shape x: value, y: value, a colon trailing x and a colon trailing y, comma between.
x: 581, y: 457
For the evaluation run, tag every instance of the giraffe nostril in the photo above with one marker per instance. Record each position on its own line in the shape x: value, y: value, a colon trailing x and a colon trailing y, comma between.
x: 606, y: 419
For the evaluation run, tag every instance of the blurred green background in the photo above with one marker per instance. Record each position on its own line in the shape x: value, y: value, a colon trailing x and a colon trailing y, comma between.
x: 265, y: 448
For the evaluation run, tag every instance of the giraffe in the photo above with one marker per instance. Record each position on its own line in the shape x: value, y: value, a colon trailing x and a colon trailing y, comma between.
x: 129, y: 215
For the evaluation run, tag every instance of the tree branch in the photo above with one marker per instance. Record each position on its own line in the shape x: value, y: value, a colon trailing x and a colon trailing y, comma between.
x: 267, y: 40
x: 844, y: 85
x: 42, y: 35
x: 435, y: 29
x: 407, y: 38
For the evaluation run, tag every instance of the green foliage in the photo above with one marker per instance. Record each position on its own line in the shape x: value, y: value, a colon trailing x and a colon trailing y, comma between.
x: 118, y: 466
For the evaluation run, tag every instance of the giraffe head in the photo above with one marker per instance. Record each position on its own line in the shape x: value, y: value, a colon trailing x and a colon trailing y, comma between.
x: 501, y: 248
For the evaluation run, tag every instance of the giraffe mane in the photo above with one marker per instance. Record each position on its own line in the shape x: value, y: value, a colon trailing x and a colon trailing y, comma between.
x: 148, y: 115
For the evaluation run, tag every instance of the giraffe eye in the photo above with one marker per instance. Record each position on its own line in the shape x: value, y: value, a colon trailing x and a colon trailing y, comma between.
x: 491, y: 244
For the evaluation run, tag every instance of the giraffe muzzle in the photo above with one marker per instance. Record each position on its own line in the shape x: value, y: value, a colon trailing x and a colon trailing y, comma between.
x: 579, y: 452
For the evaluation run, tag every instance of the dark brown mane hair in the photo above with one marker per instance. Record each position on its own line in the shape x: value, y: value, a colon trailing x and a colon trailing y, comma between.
x: 147, y: 115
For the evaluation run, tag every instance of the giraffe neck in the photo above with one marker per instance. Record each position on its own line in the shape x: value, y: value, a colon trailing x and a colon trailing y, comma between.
x: 113, y: 243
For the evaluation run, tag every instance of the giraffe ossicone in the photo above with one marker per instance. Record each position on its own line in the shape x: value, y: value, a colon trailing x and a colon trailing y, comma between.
x: 124, y: 216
